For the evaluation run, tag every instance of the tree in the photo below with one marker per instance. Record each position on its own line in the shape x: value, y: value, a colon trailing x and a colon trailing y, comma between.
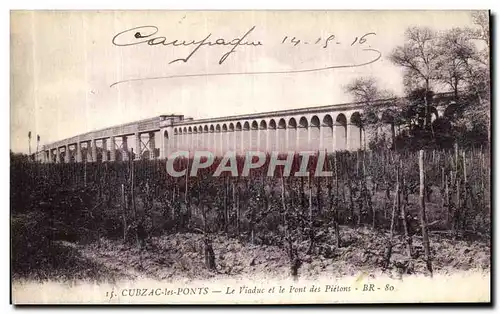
x: 455, y: 50
x: 464, y: 68
x: 420, y: 59
x: 482, y: 32
x: 37, y: 142
x: 480, y: 73
x: 29, y: 143
x: 367, y: 91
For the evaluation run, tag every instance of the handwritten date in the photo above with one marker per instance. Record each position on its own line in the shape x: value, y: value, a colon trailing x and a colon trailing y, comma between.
x: 324, y: 42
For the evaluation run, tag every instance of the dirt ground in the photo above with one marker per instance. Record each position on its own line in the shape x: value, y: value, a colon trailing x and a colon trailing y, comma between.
x: 181, y: 257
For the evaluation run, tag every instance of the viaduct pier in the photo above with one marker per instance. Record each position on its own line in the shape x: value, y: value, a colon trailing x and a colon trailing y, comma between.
x: 330, y: 128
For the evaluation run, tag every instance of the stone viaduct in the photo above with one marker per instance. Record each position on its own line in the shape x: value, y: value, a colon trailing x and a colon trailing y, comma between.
x: 330, y: 128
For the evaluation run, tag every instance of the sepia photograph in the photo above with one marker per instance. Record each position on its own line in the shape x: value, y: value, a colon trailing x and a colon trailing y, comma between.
x: 250, y: 157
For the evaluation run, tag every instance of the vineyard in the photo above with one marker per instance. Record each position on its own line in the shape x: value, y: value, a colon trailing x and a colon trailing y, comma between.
x: 380, y: 211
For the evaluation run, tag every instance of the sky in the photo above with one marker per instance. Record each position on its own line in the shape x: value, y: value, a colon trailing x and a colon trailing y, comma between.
x: 63, y: 64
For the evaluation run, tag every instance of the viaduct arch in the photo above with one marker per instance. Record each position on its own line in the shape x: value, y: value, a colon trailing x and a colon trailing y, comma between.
x: 326, y: 128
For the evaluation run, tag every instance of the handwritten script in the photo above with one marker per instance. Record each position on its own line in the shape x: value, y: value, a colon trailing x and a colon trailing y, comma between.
x: 147, y: 35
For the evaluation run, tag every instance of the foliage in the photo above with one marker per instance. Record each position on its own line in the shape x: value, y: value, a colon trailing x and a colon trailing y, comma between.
x: 447, y: 71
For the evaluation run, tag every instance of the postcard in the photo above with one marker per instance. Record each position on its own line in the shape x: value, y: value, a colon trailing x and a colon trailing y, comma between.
x: 250, y: 157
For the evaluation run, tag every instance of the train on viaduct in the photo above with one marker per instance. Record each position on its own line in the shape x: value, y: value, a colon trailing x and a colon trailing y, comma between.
x: 326, y: 128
